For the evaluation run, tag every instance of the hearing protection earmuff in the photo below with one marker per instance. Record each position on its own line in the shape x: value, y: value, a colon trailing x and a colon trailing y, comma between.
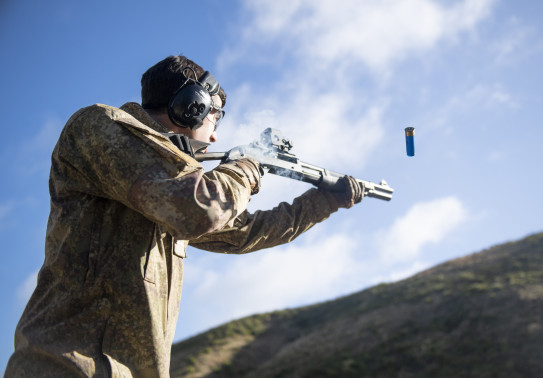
x: 191, y: 103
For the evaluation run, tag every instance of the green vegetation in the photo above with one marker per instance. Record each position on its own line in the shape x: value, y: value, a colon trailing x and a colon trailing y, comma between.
x: 477, y: 316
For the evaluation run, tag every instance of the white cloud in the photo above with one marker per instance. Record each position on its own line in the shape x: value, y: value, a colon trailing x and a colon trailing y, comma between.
x: 11, y: 209
x: 377, y: 34
x: 492, y: 97
x: 426, y: 222
x: 318, y: 100
x: 289, y: 275
x: 43, y: 141
x: 335, y: 126
x: 496, y: 156
x: 488, y: 97
x: 319, y: 266
x: 276, y: 189
x: 27, y: 288
x: 36, y: 148
x: 519, y: 42
x: 334, y: 117
x: 332, y: 128
x: 404, y: 271
x: 6, y: 208
x: 328, y: 129
x: 325, y: 127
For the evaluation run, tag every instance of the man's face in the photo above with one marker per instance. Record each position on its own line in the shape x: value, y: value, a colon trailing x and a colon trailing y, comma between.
x: 207, y: 132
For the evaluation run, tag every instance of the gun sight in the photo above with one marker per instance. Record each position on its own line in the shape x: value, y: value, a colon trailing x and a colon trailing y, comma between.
x: 275, y: 139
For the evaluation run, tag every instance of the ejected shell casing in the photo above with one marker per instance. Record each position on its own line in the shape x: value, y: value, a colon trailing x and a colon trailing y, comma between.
x: 410, y: 141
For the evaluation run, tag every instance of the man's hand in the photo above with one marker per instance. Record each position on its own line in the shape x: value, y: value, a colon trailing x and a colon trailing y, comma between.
x: 354, y: 192
x: 251, y: 170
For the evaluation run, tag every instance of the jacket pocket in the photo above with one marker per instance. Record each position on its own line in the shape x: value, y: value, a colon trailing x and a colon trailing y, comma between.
x: 180, y: 248
x: 151, y: 259
x: 94, y: 251
x: 116, y: 369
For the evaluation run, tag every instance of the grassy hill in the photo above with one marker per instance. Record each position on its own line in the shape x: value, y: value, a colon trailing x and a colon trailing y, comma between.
x: 477, y: 316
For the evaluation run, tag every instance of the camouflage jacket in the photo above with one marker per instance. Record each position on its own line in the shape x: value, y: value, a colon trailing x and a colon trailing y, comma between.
x: 125, y: 203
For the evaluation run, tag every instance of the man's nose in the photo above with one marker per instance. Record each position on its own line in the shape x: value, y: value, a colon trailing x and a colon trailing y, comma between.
x: 213, y: 137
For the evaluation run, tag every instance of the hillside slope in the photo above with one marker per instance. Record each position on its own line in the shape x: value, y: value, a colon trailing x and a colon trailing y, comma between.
x: 477, y: 316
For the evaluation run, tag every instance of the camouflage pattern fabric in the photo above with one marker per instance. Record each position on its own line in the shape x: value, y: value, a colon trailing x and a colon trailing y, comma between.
x: 125, y: 203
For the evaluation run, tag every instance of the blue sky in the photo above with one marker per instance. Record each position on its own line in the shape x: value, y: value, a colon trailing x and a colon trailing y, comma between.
x: 342, y: 79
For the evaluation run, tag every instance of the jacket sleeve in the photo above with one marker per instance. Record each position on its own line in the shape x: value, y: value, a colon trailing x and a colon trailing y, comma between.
x: 265, y: 229
x: 100, y: 157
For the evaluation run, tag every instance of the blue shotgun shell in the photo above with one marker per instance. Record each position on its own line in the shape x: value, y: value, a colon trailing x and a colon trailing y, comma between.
x: 410, y: 141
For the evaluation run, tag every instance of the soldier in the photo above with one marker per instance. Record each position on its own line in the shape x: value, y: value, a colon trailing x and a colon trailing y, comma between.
x: 125, y: 203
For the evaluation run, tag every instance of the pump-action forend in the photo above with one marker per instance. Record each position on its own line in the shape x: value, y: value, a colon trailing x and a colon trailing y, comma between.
x: 272, y: 152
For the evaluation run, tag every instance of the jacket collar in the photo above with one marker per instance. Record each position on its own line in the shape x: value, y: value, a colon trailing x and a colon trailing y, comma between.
x: 136, y: 111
